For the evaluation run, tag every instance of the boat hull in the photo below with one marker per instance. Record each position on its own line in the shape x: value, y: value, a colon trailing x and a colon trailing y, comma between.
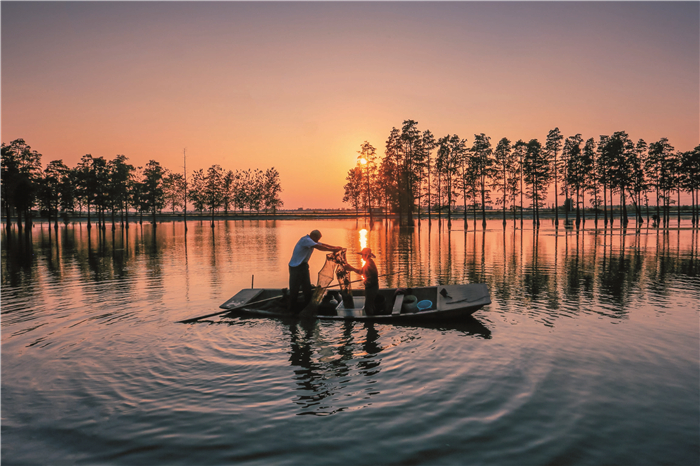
x: 448, y: 302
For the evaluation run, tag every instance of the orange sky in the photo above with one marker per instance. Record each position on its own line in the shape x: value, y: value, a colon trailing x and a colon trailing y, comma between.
x: 299, y: 86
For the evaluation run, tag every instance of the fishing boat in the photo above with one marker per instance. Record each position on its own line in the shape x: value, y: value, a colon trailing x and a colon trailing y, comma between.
x: 392, y: 304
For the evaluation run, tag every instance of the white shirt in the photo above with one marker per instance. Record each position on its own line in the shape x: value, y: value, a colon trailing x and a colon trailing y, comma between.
x: 302, y: 251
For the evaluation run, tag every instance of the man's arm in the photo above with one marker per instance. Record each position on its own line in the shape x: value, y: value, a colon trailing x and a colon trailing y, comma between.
x: 327, y: 247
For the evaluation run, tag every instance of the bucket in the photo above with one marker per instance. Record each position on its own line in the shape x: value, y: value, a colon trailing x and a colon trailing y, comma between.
x: 409, y: 303
x: 425, y: 304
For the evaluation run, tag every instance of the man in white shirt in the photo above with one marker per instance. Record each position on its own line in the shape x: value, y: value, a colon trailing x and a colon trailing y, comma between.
x: 299, y: 266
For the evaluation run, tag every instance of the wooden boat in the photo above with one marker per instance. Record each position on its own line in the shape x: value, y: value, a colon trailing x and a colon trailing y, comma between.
x: 437, y: 302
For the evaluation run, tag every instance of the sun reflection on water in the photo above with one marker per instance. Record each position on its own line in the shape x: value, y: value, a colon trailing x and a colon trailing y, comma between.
x: 363, y: 241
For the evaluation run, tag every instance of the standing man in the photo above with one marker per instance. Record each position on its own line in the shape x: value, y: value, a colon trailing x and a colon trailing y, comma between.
x: 370, y: 276
x: 299, y: 266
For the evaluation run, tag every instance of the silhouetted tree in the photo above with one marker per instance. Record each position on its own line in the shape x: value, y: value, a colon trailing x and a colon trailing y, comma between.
x: 153, y: 187
x: 552, y: 147
x: 537, y: 170
x: 503, y: 168
x: 119, y: 177
x: 353, y: 188
x: 519, y: 151
x: 272, y: 186
x: 481, y: 163
x: 174, y: 190
x: 50, y: 189
x: 368, y: 154
x: 659, y: 173
x: 21, y: 172
x: 428, y: 144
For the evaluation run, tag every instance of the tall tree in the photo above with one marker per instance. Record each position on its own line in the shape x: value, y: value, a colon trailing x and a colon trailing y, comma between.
x: 196, y: 191
x: 504, y: 165
x: 174, y: 190
x: 536, y: 166
x: 586, y: 167
x: 482, y: 161
x: 213, y: 194
x: 353, y: 188
x: 367, y: 159
x: 428, y: 144
x: 519, y: 151
x: 412, y: 155
x: 553, y: 145
x: 573, y: 170
x: 50, y: 189
x: 153, y: 187
x: 659, y: 173
x: 119, y: 177
x: 21, y: 172
x: 272, y: 186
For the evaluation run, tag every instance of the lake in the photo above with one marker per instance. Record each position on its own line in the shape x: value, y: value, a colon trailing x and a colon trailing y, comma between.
x: 588, y: 355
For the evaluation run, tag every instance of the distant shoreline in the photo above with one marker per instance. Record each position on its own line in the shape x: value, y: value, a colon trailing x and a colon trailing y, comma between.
x: 686, y: 211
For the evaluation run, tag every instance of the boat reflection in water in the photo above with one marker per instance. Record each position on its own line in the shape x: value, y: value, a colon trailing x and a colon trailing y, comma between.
x: 336, y: 364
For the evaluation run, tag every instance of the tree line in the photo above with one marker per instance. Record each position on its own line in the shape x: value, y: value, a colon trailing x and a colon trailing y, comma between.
x: 112, y: 187
x: 421, y: 173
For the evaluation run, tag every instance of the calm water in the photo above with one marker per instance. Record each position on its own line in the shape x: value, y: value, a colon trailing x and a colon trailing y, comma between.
x: 587, y: 356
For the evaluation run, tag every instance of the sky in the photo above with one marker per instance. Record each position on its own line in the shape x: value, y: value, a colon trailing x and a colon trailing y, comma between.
x: 300, y: 86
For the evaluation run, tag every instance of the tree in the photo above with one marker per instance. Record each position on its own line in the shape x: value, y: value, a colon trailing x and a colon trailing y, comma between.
x: 585, y: 168
x: 228, y: 184
x: 21, y: 172
x: 638, y: 181
x: 536, y: 167
x: 50, y: 189
x: 153, y: 187
x: 503, y: 172
x: 519, y: 151
x: 448, y: 161
x: 119, y: 173
x: 212, y: 193
x: 552, y: 146
x: 573, y: 170
x: 174, y: 190
x: 659, y: 172
x: 481, y: 163
x: 428, y: 144
x: 87, y: 184
x: 353, y: 188
x: 411, y: 162
x: 272, y: 186
x: 367, y: 158
x: 196, y: 192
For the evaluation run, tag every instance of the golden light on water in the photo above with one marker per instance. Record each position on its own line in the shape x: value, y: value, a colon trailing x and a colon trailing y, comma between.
x: 363, y: 241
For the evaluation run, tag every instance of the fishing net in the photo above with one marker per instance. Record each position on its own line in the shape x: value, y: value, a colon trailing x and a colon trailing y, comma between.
x: 333, y: 268
x: 343, y: 277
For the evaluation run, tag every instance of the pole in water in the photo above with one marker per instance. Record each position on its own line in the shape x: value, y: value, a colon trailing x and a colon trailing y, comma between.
x: 252, y: 281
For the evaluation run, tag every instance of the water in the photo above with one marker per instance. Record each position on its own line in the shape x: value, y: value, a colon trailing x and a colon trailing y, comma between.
x: 588, y: 354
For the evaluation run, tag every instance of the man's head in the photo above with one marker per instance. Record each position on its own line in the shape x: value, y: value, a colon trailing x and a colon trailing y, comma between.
x: 366, y: 253
x: 315, y: 235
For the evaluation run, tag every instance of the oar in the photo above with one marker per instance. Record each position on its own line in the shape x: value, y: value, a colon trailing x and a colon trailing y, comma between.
x: 240, y: 306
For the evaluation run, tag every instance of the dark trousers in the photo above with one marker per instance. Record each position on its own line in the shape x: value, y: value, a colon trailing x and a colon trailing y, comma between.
x: 299, y: 278
x: 370, y: 296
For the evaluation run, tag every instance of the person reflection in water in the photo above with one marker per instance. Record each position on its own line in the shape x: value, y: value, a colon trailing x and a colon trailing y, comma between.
x: 299, y: 267
x: 370, y: 276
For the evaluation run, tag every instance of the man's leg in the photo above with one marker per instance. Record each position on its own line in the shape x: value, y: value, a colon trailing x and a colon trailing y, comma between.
x: 370, y: 296
x: 294, y: 285
x: 305, y: 282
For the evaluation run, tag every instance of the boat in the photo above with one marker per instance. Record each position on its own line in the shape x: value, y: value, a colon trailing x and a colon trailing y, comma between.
x: 441, y: 302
